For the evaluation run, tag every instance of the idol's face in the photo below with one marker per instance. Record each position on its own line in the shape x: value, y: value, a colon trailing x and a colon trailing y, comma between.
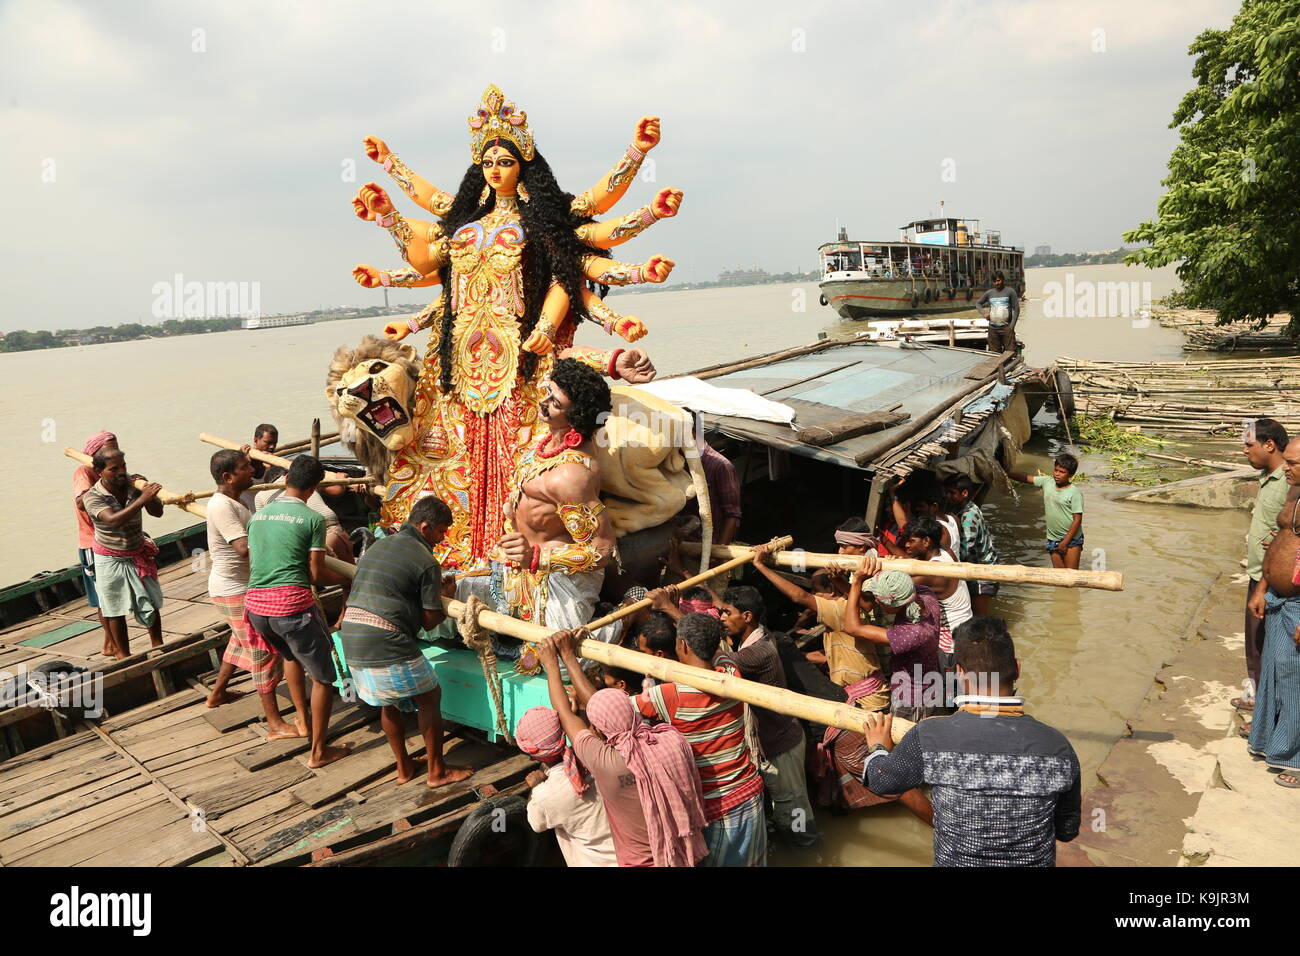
x: 377, y: 396
x: 555, y: 405
x: 501, y: 170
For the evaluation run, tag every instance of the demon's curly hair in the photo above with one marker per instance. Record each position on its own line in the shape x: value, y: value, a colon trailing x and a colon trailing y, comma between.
x: 551, y: 248
x: 589, y: 393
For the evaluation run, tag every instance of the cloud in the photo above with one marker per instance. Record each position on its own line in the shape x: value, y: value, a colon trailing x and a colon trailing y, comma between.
x: 219, y: 154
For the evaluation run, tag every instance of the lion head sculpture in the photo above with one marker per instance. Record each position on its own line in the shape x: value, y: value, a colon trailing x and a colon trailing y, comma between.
x: 370, y: 390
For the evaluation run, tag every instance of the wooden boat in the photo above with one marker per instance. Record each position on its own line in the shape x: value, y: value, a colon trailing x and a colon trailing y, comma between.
x: 164, y: 780
x: 936, y: 266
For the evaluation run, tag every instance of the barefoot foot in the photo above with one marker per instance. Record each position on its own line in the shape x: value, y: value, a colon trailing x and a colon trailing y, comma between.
x: 327, y: 756
x: 283, y: 731
x: 448, y: 775
x: 413, y: 768
x: 223, y: 696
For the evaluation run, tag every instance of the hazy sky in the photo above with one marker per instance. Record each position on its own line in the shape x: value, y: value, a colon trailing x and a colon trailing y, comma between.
x: 145, y: 139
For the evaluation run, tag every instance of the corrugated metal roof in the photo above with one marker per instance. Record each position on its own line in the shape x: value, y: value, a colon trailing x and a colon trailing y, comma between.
x: 846, y: 378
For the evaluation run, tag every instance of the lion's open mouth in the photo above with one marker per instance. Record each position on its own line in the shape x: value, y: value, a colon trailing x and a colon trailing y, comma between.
x: 383, y: 416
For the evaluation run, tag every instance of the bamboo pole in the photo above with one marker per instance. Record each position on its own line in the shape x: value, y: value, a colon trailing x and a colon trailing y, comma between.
x: 252, y: 452
x: 779, y: 699
x: 1199, y: 462
x: 196, y: 509
x: 328, y: 483
x: 783, y: 542
x: 305, y: 443
x: 315, y: 437
x: 1011, y: 573
x: 285, y: 463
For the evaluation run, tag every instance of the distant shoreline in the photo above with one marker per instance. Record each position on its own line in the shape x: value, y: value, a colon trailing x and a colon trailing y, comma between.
x: 21, y: 340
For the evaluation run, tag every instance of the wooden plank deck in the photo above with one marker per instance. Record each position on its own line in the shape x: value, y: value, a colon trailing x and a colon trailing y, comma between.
x: 172, y: 782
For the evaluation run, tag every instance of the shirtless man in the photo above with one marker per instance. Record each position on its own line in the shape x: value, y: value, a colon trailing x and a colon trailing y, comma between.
x: 1275, y: 731
x: 558, y: 538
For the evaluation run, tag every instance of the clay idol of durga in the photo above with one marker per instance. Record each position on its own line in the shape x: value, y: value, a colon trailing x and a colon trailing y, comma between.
x: 521, y: 263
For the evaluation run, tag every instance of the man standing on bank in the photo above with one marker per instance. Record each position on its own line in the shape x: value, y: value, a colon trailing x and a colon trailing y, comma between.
x: 1003, y: 312
x: 1262, y: 444
x: 397, y: 591
x: 1275, y: 731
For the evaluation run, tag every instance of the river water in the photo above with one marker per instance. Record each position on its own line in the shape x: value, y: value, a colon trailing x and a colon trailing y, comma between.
x: 1087, y: 657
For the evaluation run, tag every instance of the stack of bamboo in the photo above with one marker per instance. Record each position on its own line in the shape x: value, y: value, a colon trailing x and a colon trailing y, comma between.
x: 1204, y: 334
x: 1188, y: 399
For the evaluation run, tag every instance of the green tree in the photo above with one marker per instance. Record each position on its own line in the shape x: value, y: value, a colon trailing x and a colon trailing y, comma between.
x: 1229, y: 209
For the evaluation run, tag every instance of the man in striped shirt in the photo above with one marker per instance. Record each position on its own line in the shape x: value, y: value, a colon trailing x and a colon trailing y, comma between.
x: 715, y: 728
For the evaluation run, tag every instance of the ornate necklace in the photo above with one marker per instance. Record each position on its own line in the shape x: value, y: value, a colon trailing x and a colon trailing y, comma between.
x: 571, y: 440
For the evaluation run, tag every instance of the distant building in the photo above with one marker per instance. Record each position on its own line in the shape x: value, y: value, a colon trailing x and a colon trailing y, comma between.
x: 743, y: 276
x: 275, y: 321
x: 1042, y: 250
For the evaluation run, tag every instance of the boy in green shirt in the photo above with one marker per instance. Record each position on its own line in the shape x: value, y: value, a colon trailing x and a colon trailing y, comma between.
x: 1063, y: 504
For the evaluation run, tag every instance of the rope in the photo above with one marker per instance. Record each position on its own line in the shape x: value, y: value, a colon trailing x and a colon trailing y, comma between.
x: 479, y: 639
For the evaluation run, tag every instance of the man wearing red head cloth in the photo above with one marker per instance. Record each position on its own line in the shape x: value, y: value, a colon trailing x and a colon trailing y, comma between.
x: 83, y: 479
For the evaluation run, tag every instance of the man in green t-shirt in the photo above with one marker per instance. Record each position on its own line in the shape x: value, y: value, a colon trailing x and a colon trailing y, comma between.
x: 286, y: 543
x: 1063, y: 504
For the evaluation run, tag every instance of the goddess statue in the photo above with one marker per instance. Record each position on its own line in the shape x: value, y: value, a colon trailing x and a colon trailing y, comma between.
x: 517, y: 259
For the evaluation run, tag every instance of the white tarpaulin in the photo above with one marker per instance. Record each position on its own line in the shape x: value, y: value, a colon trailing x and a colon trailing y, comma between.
x: 690, y: 392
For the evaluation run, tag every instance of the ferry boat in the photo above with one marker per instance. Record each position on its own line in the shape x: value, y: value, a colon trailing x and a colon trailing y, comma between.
x: 935, y: 266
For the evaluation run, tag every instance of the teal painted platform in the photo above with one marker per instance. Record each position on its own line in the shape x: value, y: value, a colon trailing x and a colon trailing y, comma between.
x: 466, y: 699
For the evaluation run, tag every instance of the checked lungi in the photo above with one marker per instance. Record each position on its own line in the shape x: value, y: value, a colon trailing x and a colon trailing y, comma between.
x: 1275, y: 730
x: 739, y: 836
x: 245, y: 652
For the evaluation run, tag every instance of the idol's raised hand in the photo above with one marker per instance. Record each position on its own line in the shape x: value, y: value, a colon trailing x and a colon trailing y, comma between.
x: 366, y: 276
x: 657, y: 268
x: 630, y: 328
x: 666, y: 203
x: 647, y: 134
x: 376, y: 148
x: 539, y: 343
x: 371, y: 201
x: 396, y: 331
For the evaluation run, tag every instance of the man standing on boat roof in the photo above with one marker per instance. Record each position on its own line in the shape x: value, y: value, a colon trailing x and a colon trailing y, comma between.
x: 1003, y: 313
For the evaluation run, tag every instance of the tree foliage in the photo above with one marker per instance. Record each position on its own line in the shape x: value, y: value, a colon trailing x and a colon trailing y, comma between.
x: 1229, y: 210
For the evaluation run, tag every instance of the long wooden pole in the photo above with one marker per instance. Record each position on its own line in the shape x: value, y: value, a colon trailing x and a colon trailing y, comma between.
x: 196, y: 509
x: 1012, y: 573
x: 328, y: 483
x: 252, y: 452
x: 779, y: 699
x: 304, y: 443
x: 623, y: 612
x: 380, y: 490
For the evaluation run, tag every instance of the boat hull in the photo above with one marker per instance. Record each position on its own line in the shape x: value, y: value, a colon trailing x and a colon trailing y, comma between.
x: 856, y: 299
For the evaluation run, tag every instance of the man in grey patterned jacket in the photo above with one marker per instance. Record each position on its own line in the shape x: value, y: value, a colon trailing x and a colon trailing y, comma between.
x: 1005, y: 787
